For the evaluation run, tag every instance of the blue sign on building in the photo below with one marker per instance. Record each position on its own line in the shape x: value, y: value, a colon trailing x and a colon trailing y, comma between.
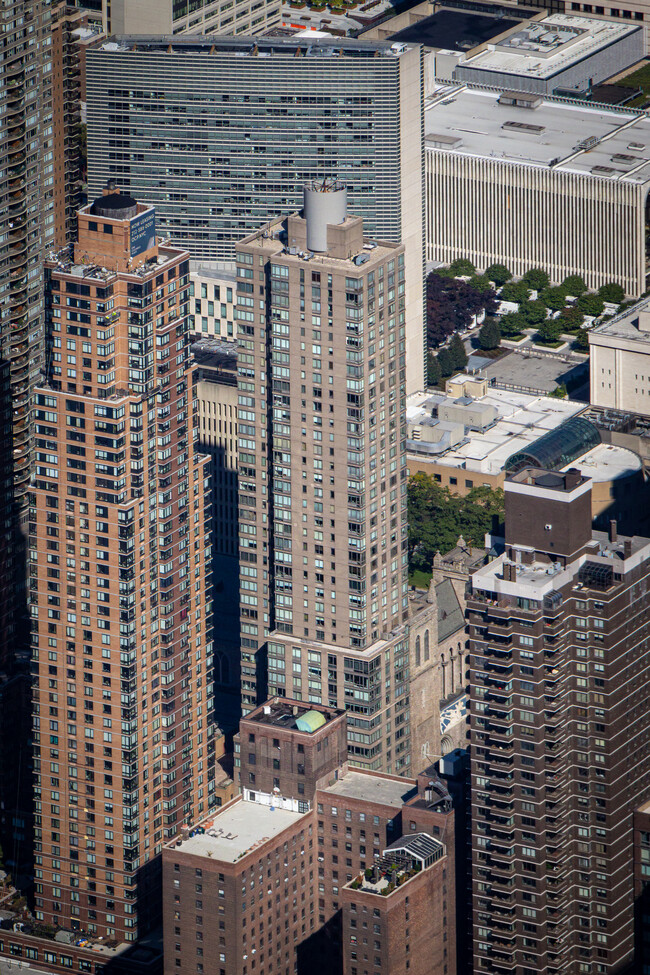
x: 143, y: 232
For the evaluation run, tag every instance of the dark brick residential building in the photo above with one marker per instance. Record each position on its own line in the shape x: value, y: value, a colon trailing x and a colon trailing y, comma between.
x: 263, y: 886
x: 642, y: 888
x: 560, y: 666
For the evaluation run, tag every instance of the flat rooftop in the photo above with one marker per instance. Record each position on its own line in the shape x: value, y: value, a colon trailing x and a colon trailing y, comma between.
x: 607, y: 462
x: 455, y: 30
x: 624, y: 326
x: 541, y: 49
x: 570, y: 136
x: 522, y: 419
x: 237, y: 829
x: 285, y: 714
x: 387, y: 791
x: 218, y: 45
x: 272, y: 241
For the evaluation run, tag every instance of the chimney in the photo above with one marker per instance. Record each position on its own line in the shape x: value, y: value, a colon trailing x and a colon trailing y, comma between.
x: 325, y: 202
x: 627, y: 548
x: 572, y: 478
x: 613, y: 534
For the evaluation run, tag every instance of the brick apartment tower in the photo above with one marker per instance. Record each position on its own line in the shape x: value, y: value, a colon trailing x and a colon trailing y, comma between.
x: 318, y: 868
x: 322, y: 472
x: 121, y: 597
x: 560, y: 723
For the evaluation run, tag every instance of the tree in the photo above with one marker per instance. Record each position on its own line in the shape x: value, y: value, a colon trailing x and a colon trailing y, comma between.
x: 571, y: 318
x: 574, y: 285
x: 434, y: 373
x: 534, y: 313
x: 515, y: 291
x: 457, y: 352
x: 451, y: 305
x: 560, y: 392
x: 554, y: 298
x: 462, y: 266
x: 612, y: 292
x: 490, y: 335
x: 536, y: 279
x: 498, y: 273
x: 582, y: 340
x: 481, y: 282
x: 436, y: 518
x: 591, y: 304
x: 513, y: 323
x: 550, y: 330
x: 446, y: 362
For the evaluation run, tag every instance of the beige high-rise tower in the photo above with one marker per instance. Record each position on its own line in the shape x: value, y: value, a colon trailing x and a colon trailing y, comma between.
x: 322, y: 472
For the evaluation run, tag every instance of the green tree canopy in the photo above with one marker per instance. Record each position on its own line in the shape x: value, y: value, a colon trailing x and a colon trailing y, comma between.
x: 481, y: 282
x: 591, y: 304
x: 536, y: 279
x: 462, y: 266
x: 554, y: 298
x: 436, y: 518
x: 446, y: 362
x: 498, y: 273
x: 571, y: 318
x: 582, y: 340
x: 550, y: 330
x: 512, y: 323
x: 490, y: 335
x: 515, y: 291
x: 434, y: 373
x: 534, y: 312
x: 457, y: 352
x: 574, y: 285
x: 612, y: 292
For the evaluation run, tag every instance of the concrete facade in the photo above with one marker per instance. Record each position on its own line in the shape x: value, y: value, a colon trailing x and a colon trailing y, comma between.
x: 353, y: 109
x: 189, y: 16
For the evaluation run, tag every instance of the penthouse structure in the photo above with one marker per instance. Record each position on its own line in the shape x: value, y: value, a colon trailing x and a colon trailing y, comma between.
x: 619, y: 361
x: 220, y: 133
x: 322, y: 326
x: 122, y: 643
x: 529, y: 180
x: 560, y: 669
x: 316, y: 867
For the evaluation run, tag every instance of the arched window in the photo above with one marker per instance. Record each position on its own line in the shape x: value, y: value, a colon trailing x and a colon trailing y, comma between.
x: 451, y: 669
x: 426, y: 645
x: 443, y: 690
x: 417, y: 651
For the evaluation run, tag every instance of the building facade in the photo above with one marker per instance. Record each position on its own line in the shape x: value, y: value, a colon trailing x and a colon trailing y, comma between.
x: 564, y: 185
x: 67, y: 20
x: 322, y: 478
x: 27, y: 210
x: 559, y: 725
x: 276, y: 880
x: 279, y: 111
x: 619, y: 361
x: 169, y: 17
x: 213, y: 288
x: 122, y: 643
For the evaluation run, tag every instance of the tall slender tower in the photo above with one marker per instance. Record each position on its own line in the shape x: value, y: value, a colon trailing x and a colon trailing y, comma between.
x: 322, y: 472
x: 560, y: 730
x: 26, y: 210
x: 124, y: 731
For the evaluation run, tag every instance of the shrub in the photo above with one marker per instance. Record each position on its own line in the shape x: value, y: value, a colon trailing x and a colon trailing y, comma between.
x: 498, y: 273
x: 560, y: 392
